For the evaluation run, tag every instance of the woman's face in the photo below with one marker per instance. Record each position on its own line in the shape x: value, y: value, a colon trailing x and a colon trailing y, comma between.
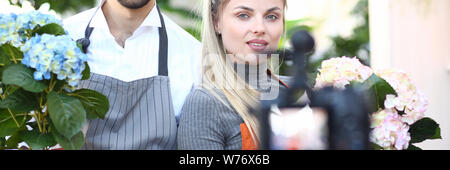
x: 250, y: 27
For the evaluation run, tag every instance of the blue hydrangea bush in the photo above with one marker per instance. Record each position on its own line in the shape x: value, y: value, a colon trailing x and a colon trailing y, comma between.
x: 41, y: 67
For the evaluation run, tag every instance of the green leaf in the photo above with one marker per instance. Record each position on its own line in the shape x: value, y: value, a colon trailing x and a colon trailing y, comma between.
x: 2, y: 141
x: 22, y: 76
x: 95, y: 103
x: 73, y: 143
x: 86, y: 72
x: 91, y: 116
x: 378, y: 88
x: 437, y: 134
x: 412, y: 147
x: 67, y: 113
x: 7, y: 124
x: 4, y: 57
x: 423, y: 129
x: 20, y: 101
x: 375, y: 146
x: 9, y: 53
x: 59, y: 85
x: 52, y: 28
x: 18, y: 3
x: 14, y: 140
x: 37, y: 140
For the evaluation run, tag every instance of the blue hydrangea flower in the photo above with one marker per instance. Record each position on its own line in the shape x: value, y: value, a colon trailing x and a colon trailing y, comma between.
x: 54, y: 54
x: 13, y: 27
x: 31, y: 19
x: 8, y: 32
x: 47, y: 53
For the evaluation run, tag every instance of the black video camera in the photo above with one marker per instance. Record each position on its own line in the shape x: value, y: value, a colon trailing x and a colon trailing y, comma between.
x: 331, y: 119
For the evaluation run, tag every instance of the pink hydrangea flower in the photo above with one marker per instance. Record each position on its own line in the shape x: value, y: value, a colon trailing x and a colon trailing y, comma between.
x: 339, y: 72
x: 389, y: 130
x: 409, y: 100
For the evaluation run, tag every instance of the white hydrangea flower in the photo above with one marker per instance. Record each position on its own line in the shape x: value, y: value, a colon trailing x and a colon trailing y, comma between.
x: 339, y: 72
x: 409, y: 100
x: 389, y: 132
x: 389, y: 128
x: 390, y: 102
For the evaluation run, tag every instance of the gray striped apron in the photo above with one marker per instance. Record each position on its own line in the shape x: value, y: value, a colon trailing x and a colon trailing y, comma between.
x: 141, y: 115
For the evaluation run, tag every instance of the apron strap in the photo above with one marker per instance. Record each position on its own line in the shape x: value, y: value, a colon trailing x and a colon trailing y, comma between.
x: 85, y: 42
x: 163, y: 47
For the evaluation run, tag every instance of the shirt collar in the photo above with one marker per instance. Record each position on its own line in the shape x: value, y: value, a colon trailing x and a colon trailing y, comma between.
x: 152, y: 19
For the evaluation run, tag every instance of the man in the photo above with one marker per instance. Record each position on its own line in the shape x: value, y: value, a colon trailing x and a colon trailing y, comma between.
x: 145, y: 64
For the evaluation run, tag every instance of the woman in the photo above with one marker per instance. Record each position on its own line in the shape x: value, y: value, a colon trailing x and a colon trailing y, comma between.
x: 216, y: 115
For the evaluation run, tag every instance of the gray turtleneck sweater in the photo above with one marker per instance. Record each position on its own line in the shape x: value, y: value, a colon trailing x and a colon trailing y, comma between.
x: 207, y: 124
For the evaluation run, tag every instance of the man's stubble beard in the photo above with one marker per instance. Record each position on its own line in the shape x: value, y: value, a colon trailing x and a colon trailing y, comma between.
x: 134, y: 4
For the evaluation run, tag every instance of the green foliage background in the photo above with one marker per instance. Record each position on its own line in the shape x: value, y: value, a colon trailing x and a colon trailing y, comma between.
x: 358, y: 44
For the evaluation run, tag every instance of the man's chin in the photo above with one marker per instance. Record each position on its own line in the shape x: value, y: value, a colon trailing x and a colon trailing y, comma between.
x: 133, y: 4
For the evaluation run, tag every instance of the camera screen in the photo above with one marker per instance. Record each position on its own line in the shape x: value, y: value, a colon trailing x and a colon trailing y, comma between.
x: 298, y: 128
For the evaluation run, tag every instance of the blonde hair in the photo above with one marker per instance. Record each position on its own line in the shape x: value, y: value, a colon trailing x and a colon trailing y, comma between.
x: 218, y: 74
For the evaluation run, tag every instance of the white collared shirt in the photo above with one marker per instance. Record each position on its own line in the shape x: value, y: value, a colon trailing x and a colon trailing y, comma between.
x: 138, y: 59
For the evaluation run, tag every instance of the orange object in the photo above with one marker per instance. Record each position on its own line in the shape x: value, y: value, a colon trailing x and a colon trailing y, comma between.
x: 276, y: 78
x: 247, y: 140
